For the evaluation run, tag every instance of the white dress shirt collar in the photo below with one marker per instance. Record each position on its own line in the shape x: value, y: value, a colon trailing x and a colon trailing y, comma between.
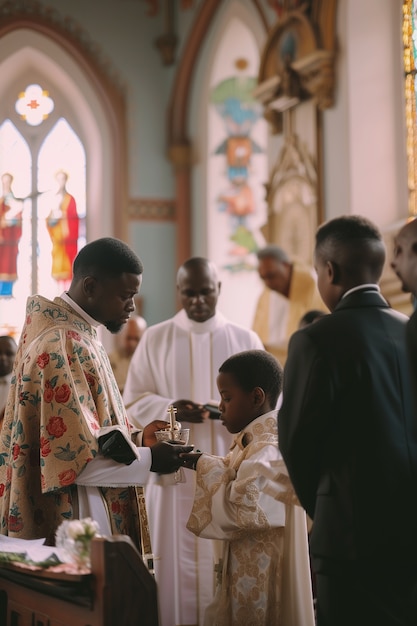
x: 80, y: 311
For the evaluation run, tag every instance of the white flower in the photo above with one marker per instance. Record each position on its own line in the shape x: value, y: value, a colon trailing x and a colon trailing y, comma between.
x: 75, y: 529
x: 75, y: 536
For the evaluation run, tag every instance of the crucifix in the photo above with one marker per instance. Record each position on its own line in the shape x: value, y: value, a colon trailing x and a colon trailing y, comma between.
x: 174, y: 425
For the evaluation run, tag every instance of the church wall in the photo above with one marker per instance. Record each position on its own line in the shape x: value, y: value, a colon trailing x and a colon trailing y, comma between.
x: 364, y: 159
x: 125, y: 35
x: 364, y: 134
x: 158, y: 289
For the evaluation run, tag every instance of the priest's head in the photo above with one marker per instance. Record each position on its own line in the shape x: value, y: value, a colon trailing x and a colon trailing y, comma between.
x: 107, y: 275
x: 198, y: 288
x: 275, y: 269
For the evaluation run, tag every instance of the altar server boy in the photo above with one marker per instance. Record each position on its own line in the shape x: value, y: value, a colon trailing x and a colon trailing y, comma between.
x: 246, y: 500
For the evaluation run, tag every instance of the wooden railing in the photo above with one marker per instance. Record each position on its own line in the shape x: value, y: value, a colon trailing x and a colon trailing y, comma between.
x: 119, y: 591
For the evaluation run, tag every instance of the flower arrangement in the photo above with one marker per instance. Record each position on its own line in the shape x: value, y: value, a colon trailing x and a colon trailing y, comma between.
x: 74, y: 538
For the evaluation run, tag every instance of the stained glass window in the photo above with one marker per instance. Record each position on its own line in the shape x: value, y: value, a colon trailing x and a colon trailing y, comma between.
x: 34, y: 105
x: 42, y: 204
x: 237, y: 166
x: 409, y: 42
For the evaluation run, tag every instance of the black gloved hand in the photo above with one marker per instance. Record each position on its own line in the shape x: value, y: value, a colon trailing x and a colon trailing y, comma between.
x: 166, y: 456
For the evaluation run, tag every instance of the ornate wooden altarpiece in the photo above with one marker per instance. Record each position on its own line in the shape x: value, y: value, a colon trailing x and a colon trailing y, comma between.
x: 296, y: 83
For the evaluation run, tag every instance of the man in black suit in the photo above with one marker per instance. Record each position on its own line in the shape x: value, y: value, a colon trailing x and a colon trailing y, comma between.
x: 348, y: 434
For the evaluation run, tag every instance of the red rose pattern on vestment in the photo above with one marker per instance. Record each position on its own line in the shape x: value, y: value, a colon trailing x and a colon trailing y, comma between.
x: 62, y: 392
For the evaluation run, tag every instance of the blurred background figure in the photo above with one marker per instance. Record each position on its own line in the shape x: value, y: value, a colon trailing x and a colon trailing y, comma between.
x: 10, y: 234
x: 310, y: 317
x: 290, y: 291
x: 126, y: 343
x: 8, y: 349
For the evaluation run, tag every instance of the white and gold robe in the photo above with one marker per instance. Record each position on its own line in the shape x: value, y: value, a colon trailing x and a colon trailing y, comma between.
x: 179, y: 359
x: 246, y: 500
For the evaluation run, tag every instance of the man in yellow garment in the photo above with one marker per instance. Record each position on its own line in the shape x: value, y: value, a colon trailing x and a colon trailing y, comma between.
x: 290, y: 291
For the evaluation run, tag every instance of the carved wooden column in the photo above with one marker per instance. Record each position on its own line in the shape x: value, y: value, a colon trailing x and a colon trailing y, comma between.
x: 180, y: 156
x: 295, y: 84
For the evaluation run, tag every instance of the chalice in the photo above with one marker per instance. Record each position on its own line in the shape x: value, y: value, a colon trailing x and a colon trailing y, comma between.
x: 174, y: 432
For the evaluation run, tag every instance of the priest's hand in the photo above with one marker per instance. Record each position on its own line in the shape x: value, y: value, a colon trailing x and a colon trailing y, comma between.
x: 166, y: 456
x: 148, y: 436
x: 189, y: 411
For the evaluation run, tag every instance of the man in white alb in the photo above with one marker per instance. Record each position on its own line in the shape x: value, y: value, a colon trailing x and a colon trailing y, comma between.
x: 176, y: 363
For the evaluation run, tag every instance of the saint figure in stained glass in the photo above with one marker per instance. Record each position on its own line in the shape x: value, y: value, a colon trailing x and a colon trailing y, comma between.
x: 10, y: 234
x: 63, y: 225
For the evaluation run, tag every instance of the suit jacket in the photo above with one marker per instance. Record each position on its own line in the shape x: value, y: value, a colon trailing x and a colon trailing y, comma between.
x: 411, y: 335
x: 348, y: 432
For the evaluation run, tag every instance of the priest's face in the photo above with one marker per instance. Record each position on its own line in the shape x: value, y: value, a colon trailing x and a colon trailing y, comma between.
x: 275, y: 274
x: 199, y: 290
x: 111, y: 299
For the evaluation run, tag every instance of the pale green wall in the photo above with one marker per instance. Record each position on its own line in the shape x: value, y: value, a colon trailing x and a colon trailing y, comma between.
x: 364, y: 136
x: 125, y: 35
x: 155, y: 244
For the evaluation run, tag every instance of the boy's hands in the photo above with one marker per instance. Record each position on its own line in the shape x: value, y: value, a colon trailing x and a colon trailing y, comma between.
x: 166, y: 456
x: 189, y: 459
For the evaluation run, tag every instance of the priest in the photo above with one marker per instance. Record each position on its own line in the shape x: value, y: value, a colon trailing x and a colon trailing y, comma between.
x: 290, y: 291
x: 176, y: 363
x: 63, y: 396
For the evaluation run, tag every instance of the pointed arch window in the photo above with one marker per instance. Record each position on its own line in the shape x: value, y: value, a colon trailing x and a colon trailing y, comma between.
x: 42, y: 202
x: 237, y: 164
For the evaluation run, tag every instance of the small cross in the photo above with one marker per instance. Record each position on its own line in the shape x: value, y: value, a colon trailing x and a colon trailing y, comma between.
x: 172, y: 412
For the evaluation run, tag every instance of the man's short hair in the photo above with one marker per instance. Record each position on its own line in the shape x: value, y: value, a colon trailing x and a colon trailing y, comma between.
x: 255, y: 368
x: 106, y: 257
x: 274, y: 252
x: 346, y: 229
x: 198, y: 262
x: 354, y: 243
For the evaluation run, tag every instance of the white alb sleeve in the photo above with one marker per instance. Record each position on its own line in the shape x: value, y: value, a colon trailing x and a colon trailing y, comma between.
x: 105, y: 472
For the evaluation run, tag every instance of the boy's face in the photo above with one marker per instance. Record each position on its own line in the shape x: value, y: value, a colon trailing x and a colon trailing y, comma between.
x: 237, y: 406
